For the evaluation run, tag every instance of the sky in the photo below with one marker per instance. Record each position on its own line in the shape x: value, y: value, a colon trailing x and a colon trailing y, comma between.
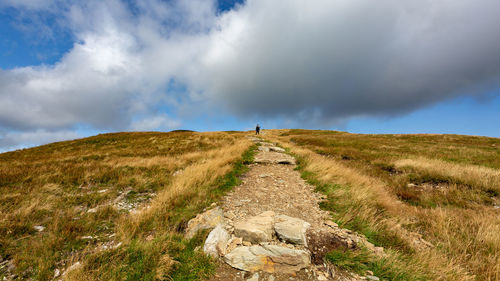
x: 70, y: 69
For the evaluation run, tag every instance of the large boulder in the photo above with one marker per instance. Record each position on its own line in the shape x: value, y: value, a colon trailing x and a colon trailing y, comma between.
x: 292, y: 230
x: 216, y: 241
x: 206, y: 220
x: 268, y: 258
x: 256, y: 229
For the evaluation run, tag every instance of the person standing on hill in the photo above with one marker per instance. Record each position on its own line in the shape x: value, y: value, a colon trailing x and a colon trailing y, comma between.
x: 257, y: 129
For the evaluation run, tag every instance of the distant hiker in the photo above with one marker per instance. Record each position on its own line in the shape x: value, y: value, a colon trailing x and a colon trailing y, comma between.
x: 257, y: 129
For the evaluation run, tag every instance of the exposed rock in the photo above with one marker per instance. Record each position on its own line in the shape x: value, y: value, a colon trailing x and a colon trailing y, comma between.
x: 216, y: 240
x: 39, y: 228
x: 268, y: 258
x: 291, y: 230
x: 276, y: 149
x: 256, y: 229
x: 371, y: 277
x: 331, y: 223
x: 233, y: 243
x: 264, y: 148
x: 206, y: 220
x: 72, y: 267
x: 254, y: 277
x: 221, y: 248
x: 57, y: 273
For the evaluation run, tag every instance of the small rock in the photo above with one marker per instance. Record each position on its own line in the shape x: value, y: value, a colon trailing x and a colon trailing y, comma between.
x: 221, y: 248
x: 246, y: 243
x: 206, y: 220
x: 369, y: 272
x: 93, y: 210
x: 217, y: 235
x: 87, y: 237
x: 57, y: 273
x: 72, y: 267
x: 39, y: 228
x: 321, y: 277
x: 233, y: 243
x: 331, y: 223
x: 254, y: 277
x: 102, y: 190
x: 270, y: 278
x: 373, y: 278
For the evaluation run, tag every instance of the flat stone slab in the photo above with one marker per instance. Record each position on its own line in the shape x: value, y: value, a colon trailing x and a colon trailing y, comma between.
x: 206, y: 220
x: 276, y: 149
x: 292, y: 230
x: 264, y: 148
x: 268, y: 258
x: 274, y: 158
x: 256, y: 229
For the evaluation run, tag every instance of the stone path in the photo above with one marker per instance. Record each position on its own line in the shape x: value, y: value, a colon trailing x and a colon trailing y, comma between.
x: 271, y: 227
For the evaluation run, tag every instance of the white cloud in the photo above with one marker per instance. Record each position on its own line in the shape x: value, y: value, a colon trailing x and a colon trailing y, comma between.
x: 16, y: 140
x: 160, y: 122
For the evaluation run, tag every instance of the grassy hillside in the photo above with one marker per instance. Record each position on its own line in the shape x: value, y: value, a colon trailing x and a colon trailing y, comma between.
x: 83, y: 201
x: 114, y: 206
x: 431, y: 200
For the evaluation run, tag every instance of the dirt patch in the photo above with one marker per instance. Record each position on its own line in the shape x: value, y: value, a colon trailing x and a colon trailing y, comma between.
x: 322, y: 242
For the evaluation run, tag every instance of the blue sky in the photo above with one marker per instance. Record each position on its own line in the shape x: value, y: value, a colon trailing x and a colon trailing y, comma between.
x: 71, y: 69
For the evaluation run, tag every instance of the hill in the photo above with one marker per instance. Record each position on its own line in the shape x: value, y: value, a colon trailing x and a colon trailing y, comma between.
x: 115, y: 206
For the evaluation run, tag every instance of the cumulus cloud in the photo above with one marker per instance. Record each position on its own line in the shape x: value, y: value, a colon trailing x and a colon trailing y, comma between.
x: 154, y: 123
x: 16, y: 140
x: 332, y: 60
x: 286, y: 60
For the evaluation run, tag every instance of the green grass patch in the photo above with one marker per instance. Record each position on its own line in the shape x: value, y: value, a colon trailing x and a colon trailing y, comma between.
x: 360, y: 261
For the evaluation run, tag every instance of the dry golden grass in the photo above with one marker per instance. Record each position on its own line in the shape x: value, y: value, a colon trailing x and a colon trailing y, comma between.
x: 471, y: 175
x: 465, y: 239
x: 56, y: 185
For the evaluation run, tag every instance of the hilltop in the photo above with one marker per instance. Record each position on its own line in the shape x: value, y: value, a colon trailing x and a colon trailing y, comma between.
x: 116, y: 206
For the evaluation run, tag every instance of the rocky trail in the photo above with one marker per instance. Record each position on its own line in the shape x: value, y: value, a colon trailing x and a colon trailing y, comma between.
x: 271, y: 226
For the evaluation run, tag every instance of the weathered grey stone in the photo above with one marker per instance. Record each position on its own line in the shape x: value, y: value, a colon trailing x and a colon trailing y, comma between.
x: 256, y: 229
x: 217, y: 238
x: 268, y: 258
x: 371, y: 277
x: 276, y: 149
x: 264, y: 148
x: 206, y: 220
x: 291, y: 230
